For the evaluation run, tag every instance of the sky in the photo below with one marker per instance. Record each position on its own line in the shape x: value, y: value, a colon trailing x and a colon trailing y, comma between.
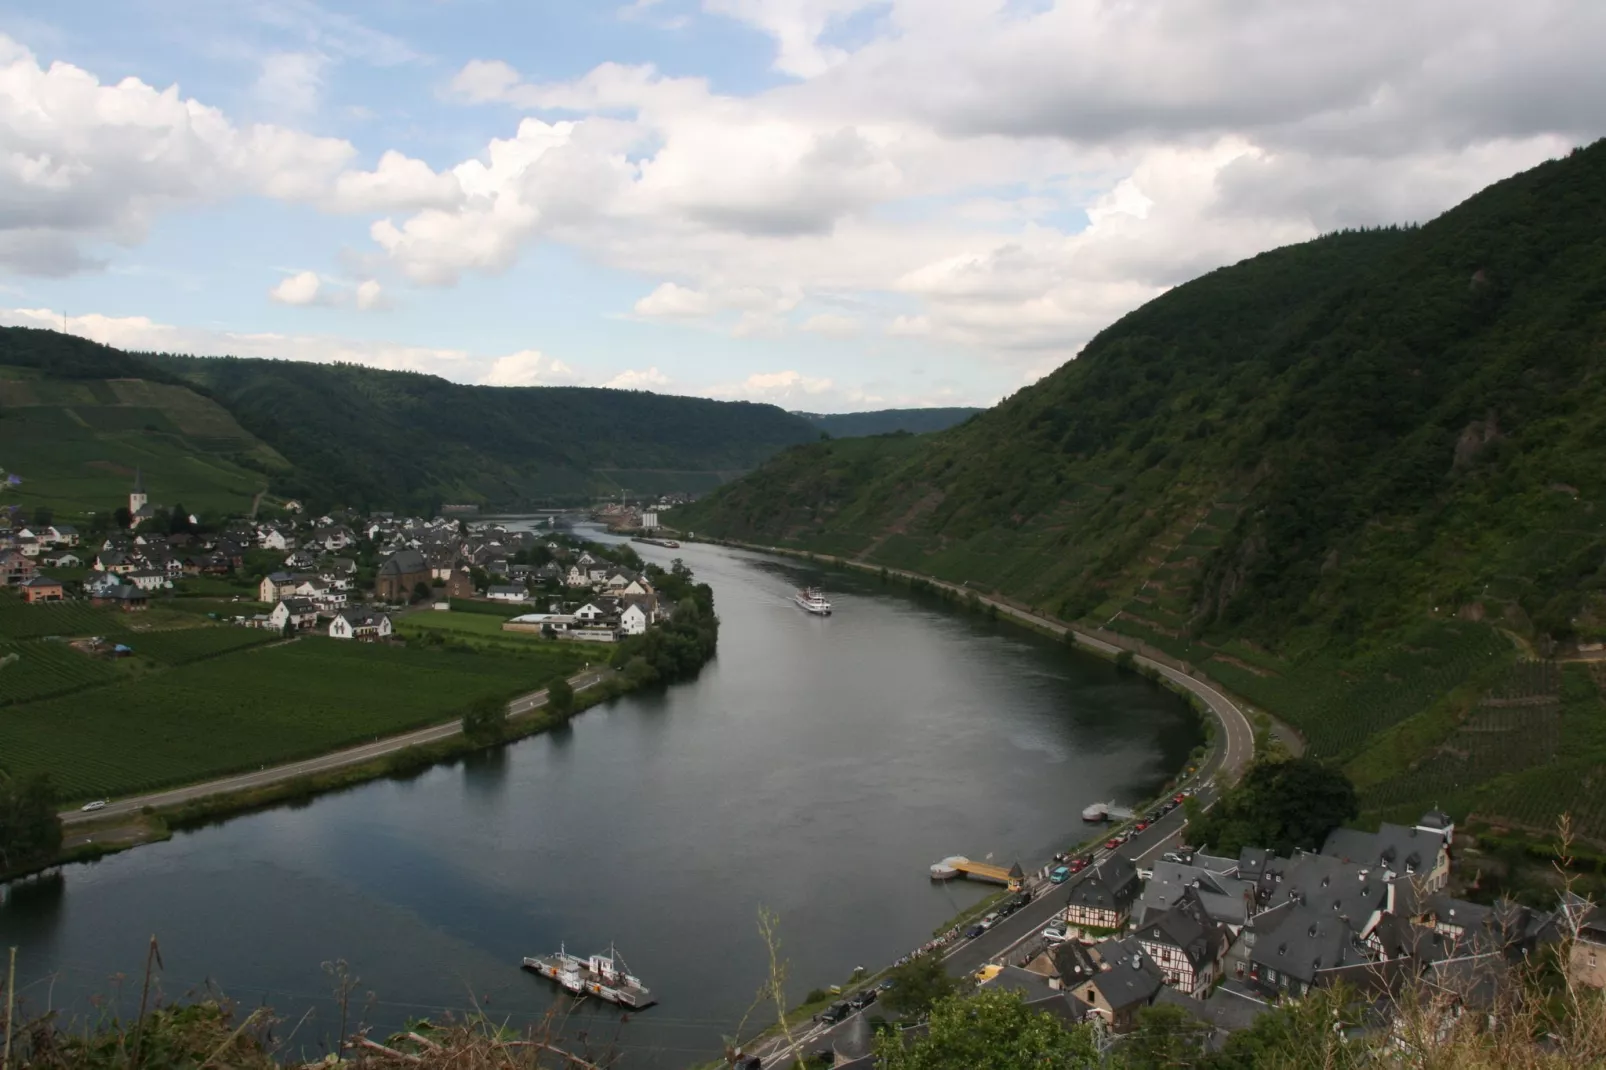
x: 832, y: 205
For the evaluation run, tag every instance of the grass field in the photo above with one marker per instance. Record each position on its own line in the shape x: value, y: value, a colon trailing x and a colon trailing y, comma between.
x: 257, y: 707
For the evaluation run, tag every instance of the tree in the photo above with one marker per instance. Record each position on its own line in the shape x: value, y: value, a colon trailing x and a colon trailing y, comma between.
x: 1286, y: 806
x: 919, y: 984
x: 560, y: 697
x: 1166, y: 1036
x: 30, y: 831
x: 992, y: 1030
x: 123, y: 517
x: 421, y: 591
x: 43, y: 516
x: 485, y: 720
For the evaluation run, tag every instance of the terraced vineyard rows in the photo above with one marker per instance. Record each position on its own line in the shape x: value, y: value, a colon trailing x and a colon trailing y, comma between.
x: 1339, y: 711
x: 183, y: 645
x: 42, y: 668
x: 19, y: 620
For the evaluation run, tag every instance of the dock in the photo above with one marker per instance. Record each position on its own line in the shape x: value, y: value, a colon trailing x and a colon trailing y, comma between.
x: 960, y: 866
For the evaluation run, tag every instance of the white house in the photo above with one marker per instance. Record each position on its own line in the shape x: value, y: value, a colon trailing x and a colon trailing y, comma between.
x: 359, y: 624
x: 62, y: 535
x: 149, y: 579
x: 506, y: 594
x: 633, y: 621
x: 590, y: 613
x: 298, y: 613
x: 576, y: 577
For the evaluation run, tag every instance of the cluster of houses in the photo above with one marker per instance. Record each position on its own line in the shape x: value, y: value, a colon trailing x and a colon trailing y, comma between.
x: 621, y: 602
x: 1228, y: 938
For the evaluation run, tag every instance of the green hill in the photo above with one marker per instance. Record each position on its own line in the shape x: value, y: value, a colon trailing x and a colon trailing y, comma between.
x: 1354, y: 480
x: 76, y: 418
x: 887, y: 421
x: 74, y: 430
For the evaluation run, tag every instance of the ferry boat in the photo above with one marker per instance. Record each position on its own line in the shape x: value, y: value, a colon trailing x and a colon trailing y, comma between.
x: 603, y: 976
x: 813, y: 599
x: 668, y: 544
x: 1097, y: 812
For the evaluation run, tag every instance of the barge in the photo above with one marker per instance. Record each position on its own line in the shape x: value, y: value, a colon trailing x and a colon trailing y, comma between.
x: 603, y: 976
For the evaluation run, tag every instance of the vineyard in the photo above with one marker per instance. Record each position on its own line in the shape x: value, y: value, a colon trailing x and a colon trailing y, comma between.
x: 42, y: 668
x: 19, y: 620
x: 250, y: 708
x: 1340, y: 707
x: 1515, y: 727
x: 183, y: 645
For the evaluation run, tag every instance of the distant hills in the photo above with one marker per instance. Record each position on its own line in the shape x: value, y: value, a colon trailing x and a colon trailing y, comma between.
x: 78, y: 418
x: 888, y: 421
x: 1356, y: 480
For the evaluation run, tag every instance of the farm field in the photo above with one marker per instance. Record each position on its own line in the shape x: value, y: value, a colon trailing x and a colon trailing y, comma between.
x: 44, y: 667
x: 257, y: 707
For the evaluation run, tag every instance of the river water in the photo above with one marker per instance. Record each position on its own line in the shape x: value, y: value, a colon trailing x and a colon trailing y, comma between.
x: 815, y: 769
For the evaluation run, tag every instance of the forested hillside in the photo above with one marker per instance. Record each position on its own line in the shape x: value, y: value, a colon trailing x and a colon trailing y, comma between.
x: 1355, y: 480
x: 76, y: 418
x: 887, y: 421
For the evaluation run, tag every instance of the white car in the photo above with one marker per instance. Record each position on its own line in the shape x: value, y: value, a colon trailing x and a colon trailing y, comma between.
x: 1056, y: 934
x: 98, y: 804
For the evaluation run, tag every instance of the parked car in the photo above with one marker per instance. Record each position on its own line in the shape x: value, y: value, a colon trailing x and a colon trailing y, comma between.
x: 989, y: 921
x: 1178, y: 797
x: 1056, y: 934
x: 1060, y: 875
x: 975, y: 931
x: 834, y: 1013
x: 862, y: 998
x: 98, y: 804
x: 1140, y: 826
x: 1112, y: 843
x: 1172, y: 856
x: 1078, y: 865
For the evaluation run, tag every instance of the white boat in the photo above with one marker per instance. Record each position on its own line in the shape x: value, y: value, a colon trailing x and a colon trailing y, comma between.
x: 813, y: 599
x: 1097, y: 812
x: 603, y: 976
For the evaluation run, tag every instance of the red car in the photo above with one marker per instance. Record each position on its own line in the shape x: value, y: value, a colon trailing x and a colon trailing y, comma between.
x: 1078, y: 865
x: 1141, y: 825
x: 1113, y: 843
x: 1178, y: 797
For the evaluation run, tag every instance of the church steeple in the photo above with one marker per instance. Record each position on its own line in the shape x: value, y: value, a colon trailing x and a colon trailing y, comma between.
x: 137, y: 497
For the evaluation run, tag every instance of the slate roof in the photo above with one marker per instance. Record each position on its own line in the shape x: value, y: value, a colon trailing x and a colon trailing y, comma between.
x: 1111, y: 884
x: 1129, y: 977
x: 403, y: 562
x: 1187, y: 927
x: 1226, y: 899
x: 1401, y: 849
x: 1299, y: 941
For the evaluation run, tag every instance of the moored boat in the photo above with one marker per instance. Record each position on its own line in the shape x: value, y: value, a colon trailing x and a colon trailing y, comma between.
x: 603, y: 976
x: 813, y: 599
x: 1097, y: 812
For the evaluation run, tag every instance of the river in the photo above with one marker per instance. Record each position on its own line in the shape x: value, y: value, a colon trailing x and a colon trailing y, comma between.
x: 815, y: 769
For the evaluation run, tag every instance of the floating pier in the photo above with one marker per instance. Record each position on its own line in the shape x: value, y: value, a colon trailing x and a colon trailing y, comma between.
x: 960, y: 866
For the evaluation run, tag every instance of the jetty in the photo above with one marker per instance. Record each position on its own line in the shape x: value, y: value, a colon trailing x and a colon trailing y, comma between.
x: 960, y: 866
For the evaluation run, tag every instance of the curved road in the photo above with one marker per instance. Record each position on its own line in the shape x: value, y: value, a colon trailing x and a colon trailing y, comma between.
x: 519, y: 707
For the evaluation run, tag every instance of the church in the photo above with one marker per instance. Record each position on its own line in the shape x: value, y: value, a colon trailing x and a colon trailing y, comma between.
x: 139, y: 506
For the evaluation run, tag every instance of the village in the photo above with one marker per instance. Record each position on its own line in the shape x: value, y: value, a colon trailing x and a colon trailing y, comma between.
x: 342, y: 574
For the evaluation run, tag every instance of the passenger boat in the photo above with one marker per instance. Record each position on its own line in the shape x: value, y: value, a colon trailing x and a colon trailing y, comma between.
x: 1097, y: 812
x: 813, y: 599
x: 603, y: 976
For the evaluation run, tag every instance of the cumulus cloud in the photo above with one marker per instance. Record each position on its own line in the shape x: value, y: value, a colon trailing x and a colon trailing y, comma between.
x: 670, y: 301
x: 87, y: 163
x: 631, y: 379
x: 370, y: 295
x: 529, y: 367
x: 298, y: 289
